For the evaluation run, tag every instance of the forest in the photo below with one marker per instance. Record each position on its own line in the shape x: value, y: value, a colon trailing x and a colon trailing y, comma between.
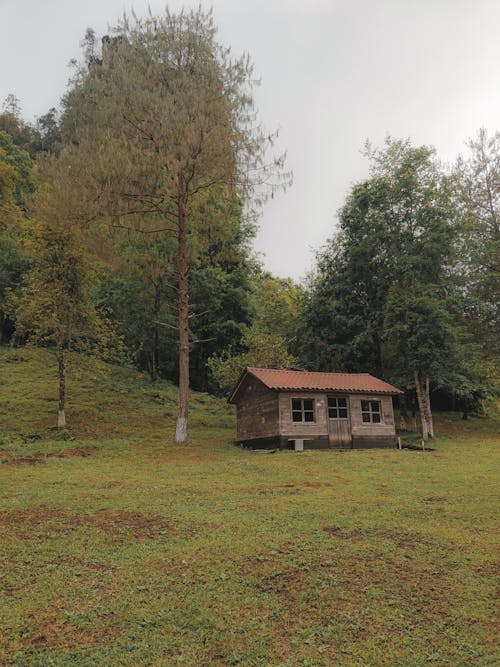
x: 127, y: 215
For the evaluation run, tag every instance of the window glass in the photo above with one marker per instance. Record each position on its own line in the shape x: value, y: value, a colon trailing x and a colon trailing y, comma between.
x: 370, y: 412
x: 337, y: 407
x: 302, y: 410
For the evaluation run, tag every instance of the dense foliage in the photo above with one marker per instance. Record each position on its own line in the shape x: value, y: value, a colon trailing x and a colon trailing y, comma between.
x: 392, y: 288
x: 146, y: 176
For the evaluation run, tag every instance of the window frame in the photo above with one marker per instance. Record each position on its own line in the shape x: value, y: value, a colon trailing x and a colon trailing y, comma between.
x: 303, y: 410
x: 370, y: 412
x: 337, y: 407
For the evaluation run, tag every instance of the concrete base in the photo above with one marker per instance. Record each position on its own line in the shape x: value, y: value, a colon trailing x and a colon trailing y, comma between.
x: 319, y: 442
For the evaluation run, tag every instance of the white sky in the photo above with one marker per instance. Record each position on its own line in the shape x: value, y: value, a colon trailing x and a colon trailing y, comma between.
x: 334, y: 73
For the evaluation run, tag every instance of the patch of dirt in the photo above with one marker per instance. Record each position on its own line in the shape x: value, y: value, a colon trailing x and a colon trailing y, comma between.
x: 491, y: 568
x: 296, y: 579
x: 38, y: 522
x: 121, y: 523
x: 308, y: 485
x: 403, y: 539
x: 49, y: 523
x: 85, y: 450
x: 291, y: 489
x: 52, y: 629
x: 346, y: 586
x: 16, y: 460
x: 116, y: 485
x: 342, y: 480
x: 13, y: 459
x: 316, y: 485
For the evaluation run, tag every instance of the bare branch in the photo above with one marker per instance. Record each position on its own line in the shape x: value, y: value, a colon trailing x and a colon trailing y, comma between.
x: 199, y: 314
x: 200, y: 340
x: 165, y: 324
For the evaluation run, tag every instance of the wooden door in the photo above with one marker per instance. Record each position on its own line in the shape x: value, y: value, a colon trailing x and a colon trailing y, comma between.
x: 339, y: 422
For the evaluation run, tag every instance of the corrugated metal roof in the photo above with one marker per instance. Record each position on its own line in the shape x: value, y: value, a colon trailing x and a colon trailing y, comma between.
x: 309, y: 381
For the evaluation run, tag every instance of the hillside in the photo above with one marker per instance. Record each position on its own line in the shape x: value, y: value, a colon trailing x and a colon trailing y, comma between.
x: 103, y: 401
x: 119, y: 548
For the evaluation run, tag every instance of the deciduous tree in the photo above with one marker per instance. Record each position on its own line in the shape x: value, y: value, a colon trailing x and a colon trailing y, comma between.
x: 164, y: 116
x: 54, y: 306
x: 262, y: 349
x: 384, y: 294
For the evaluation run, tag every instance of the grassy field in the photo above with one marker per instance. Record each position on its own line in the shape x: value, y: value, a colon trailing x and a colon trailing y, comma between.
x: 118, y: 548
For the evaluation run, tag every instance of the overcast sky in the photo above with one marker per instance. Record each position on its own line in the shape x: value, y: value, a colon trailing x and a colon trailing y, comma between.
x: 333, y: 74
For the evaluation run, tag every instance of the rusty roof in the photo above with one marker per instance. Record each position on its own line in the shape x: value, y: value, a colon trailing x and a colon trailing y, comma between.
x: 311, y: 381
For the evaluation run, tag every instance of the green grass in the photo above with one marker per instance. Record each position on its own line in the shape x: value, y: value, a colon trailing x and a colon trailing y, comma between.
x: 144, y: 553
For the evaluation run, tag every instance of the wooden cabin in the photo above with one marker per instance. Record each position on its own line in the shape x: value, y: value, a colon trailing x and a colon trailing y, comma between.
x: 299, y: 409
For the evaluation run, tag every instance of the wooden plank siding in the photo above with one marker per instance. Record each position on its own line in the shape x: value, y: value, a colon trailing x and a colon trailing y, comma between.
x: 363, y: 434
x: 257, y: 413
x: 367, y: 435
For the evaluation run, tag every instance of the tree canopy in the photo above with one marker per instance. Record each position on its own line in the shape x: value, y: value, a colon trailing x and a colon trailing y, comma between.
x: 385, y: 296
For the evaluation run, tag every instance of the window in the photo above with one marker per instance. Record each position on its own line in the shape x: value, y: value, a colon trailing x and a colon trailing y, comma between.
x: 302, y: 409
x: 370, y: 412
x: 337, y: 407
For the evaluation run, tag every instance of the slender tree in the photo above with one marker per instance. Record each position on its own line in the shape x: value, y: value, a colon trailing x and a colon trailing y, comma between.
x: 54, y: 307
x: 160, y: 118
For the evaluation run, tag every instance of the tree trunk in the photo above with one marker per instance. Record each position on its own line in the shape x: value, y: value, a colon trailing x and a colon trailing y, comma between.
x: 181, y: 427
x: 430, y: 421
x: 61, y: 417
x: 421, y: 404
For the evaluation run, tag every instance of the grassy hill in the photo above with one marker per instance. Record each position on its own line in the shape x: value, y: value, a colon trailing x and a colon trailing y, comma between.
x: 119, y: 548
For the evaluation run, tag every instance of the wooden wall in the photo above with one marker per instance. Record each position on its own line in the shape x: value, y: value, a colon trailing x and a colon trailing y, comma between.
x: 256, y: 411
x: 320, y: 426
